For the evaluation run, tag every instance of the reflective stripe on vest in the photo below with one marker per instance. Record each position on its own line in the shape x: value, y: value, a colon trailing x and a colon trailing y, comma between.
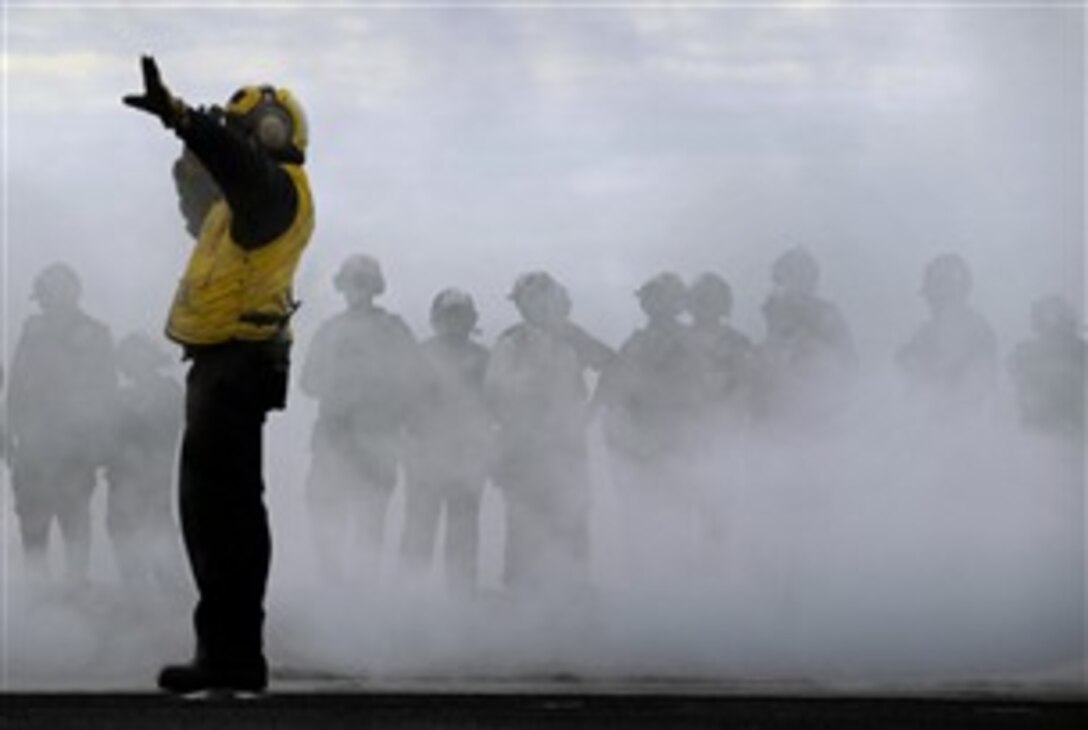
x: 229, y: 293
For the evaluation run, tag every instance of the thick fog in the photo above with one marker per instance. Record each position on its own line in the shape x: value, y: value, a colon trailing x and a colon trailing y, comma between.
x: 856, y: 532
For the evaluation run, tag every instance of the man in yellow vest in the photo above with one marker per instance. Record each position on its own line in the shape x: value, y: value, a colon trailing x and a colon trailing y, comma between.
x: 230, y: 314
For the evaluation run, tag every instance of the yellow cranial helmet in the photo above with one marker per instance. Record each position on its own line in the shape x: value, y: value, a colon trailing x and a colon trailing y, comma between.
x: 274, y: 117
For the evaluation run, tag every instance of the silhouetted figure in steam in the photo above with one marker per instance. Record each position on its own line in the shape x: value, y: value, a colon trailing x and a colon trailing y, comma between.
x: 196, y: 190
x: 450, y: 444
x: 649, y: 387
x: 140, y: 469
x: 724, y: 358
x: 364, y: 368
x: 650, y: 395
x: 806, y: 362
x: 536, y: 386
x: 63, y: 383
x: 951, y: 361
x: 1049, y: 369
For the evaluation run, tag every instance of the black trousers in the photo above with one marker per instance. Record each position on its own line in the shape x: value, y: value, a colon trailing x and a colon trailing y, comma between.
x: 230, y: 389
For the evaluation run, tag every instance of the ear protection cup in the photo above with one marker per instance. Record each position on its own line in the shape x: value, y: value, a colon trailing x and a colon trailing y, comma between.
x: 273, y: 116
x: 272, y: 125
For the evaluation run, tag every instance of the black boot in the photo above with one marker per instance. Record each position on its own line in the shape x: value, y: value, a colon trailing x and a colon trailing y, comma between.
x: 202, y: 676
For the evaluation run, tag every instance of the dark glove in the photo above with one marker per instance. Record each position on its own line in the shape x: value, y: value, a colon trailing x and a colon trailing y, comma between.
x: 156, y: 98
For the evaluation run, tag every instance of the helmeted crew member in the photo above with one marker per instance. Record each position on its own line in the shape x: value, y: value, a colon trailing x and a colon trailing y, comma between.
x: 648, y: 389
x: 145, y: 426
x: 807, y: 360
x: 535, y: 383
x: 951, y: 360
x: 364, y: 368
x: 1048, y: 371
x: 230, y: 314
x: 649, y: 395
x: 450, y: 444
x: 63, y: 382
x: 724, y: 355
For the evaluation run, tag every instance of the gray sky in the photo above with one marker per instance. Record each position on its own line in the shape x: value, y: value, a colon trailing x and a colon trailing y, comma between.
x: 463, y: 145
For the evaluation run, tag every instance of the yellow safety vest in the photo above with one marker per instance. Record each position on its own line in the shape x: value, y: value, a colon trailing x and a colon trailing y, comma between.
x: 229, y: 293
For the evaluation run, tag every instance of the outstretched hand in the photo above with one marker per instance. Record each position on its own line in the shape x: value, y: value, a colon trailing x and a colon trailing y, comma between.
x: 156, y: 98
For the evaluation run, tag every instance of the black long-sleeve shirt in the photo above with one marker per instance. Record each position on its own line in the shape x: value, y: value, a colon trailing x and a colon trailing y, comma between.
x: 261, y: 195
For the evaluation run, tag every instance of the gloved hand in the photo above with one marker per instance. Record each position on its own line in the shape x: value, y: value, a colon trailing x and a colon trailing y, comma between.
x: 156, y: 98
